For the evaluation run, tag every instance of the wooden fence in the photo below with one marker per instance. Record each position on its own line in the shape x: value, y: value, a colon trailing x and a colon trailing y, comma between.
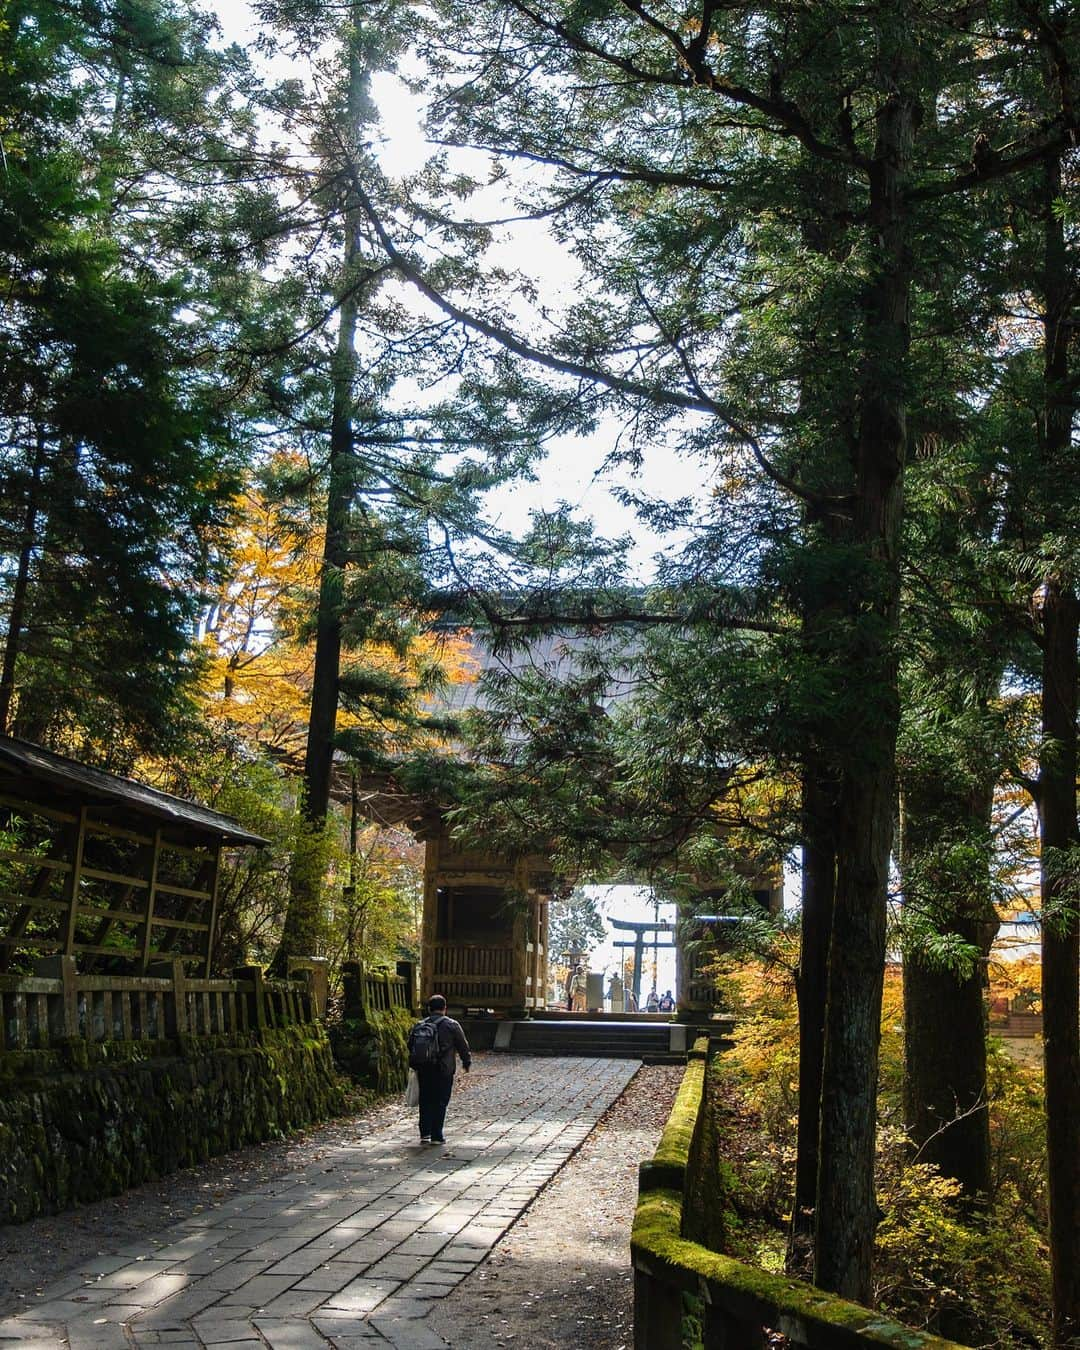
x: 41, y: 1012
x: 740, y: 1307
x: 377, y: 989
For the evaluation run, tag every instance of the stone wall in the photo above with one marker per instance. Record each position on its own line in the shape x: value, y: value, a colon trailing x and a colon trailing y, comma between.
x: 83, y: 1121
x: 372, y: 1047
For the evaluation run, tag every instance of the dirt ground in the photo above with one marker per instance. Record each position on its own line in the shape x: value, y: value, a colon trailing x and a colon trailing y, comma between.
x: 560, y: 1277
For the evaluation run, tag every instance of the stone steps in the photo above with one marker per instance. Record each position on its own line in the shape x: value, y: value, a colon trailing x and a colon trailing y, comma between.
x: 611, y: 1040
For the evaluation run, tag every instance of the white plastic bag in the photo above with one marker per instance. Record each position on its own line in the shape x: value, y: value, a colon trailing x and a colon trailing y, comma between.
x: 412, y: 1089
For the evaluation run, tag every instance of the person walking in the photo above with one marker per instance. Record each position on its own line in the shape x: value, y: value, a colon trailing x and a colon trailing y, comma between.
x: 435, y: 1044
x: 578, y: 989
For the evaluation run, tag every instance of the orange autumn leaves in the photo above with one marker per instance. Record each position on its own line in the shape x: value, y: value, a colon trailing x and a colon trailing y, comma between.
x: 258, y: 672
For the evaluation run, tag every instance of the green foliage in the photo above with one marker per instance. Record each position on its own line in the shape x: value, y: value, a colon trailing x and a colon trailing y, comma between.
x: 119, y: 456
x: 369, y: 907
x: 574, y: 924
x: 975, y: 1275
x: 981, y: 1279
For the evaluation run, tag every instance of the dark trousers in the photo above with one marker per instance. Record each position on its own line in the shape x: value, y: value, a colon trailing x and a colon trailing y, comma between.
x: 435, y: 1089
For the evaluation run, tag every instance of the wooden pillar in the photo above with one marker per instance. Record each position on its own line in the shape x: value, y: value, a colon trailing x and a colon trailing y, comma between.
x: 213, y: 881
x: 179, y: 990
x: 72, y: 880
x: 70, y: 995
x: 657, y: 1313
x: 151, y: 899
x: 545, y: 958
x: 257, y: 1007
x: 639, y: 953
x: 429, y: 926
x: 721, y: 1331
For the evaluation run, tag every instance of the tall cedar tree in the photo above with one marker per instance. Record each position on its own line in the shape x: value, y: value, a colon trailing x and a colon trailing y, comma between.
x: 641, y: 114
x: 119, y: 459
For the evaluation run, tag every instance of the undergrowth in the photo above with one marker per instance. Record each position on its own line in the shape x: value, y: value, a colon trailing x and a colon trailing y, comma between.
x: 980, y: 1277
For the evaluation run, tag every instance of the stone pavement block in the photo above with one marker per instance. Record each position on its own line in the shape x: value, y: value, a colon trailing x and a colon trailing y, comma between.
x: 402, y: 1305
x: 229, y: 1277
x: 278, y: 1248
x: 409, y: 1334
x: 174, y: 1312
x: 361, y: 1296
x: 65, y: 1309
x: 368, y: 1249
x: 329, y: 1279
x: 205, y: 1262
x: 131, y: 1275
x: 301, y: 1263
x: 290, y: 1334
x: 428, y: 1293
x: 422, y: 1244
x: 96, y: 1336
x: 162, y: 1285
x: 259, y: 1290
x: 226, y: 1333
x: 31, y: 1335
x: 396, y: 1267
x: 446, y: 1280
x: 295, y: 1303
x: 359, y: 1336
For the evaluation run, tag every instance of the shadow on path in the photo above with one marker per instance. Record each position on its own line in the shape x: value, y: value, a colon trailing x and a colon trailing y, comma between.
x: 351, y: 1250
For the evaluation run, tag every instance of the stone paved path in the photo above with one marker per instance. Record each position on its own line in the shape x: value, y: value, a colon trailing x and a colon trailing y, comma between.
x: 352, y: 1251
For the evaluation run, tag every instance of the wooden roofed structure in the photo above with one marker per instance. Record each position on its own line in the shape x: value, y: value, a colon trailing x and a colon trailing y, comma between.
x: 101, y: 868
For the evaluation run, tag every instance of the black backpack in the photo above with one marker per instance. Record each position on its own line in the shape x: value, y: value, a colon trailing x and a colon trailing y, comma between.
x: 424, y: 1048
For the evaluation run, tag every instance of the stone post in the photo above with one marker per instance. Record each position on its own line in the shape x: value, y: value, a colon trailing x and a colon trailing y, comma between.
x: 657, y: 1313
x: 71, y: 995
x: 352, y: 979
x: 255, y: 976
x: 179, y: 990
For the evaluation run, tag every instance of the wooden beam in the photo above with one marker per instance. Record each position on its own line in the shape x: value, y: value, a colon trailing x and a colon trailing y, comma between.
x: 27, y: 806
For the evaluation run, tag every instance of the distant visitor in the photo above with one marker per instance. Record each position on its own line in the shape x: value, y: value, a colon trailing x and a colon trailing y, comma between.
x: 435, y: 1044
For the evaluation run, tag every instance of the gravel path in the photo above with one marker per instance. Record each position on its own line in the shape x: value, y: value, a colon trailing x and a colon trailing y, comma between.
x: 561, y: 1276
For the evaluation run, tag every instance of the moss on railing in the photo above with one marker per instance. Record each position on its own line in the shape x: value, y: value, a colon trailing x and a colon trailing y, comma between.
x: 733, y: 1295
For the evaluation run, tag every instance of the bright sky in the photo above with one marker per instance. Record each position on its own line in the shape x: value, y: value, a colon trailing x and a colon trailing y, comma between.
x: 635, y: 904
x: 572, y: 471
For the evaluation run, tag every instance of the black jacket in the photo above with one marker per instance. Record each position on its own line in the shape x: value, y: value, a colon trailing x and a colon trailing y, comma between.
x: 452, y: 1043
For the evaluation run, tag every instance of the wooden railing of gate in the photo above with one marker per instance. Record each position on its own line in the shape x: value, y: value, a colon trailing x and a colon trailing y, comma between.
x: 739, y: 1303
x: 40, y: 1013
x: 473, y: 972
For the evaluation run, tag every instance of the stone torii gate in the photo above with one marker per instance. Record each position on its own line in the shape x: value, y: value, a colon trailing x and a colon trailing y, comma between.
x: 638, y: 944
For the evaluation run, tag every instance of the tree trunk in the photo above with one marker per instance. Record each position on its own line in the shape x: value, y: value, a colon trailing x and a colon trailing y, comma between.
x: 846, y: 1210
x: 945, y: 1096
x: 818, y: 892
x: 1061, y: 954
x: 302, y: 933
x: 17, y: 612
x: 1057, y: 806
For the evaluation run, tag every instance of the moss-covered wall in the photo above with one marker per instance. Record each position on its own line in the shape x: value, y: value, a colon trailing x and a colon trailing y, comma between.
x: 373, y: 1050
x: 708, y: 1216
x: 85, y: 1121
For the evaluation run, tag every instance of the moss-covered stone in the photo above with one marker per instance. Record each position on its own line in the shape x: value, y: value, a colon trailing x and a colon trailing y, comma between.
x: 808, y: 1316
x: 85, y: 1121
x: 373, y: 1050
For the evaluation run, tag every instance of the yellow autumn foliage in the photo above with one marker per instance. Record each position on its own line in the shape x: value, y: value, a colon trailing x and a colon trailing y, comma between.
x: 258, y: 675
